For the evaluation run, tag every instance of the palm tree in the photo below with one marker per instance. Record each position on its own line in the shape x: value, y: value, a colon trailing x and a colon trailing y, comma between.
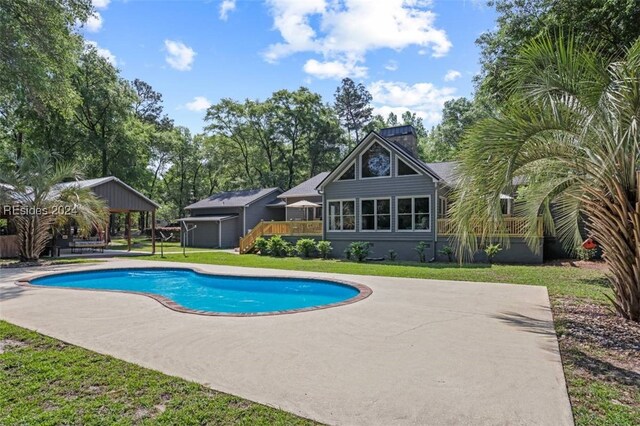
x: 569, y: 131
x: 34, y: 188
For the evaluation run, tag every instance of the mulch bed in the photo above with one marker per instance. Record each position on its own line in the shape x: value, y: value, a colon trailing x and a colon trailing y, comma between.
x: 599, y: 341
x: 599, y: 265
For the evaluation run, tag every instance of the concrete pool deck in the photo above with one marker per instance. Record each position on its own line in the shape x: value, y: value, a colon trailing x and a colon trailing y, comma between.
x: 424, y: 352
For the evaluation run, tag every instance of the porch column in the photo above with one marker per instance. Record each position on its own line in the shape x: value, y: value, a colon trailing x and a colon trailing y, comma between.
x: 128, y: 230
x: 153, y: 232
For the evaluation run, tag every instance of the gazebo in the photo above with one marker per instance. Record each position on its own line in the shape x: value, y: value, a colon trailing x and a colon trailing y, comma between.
x: 119, y: 197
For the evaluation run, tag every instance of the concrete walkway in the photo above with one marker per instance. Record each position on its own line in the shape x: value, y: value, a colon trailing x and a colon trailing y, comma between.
x: 415, y: 352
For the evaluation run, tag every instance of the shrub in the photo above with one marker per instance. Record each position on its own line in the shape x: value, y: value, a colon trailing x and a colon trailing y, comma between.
x: 360, y: 250
x: 306, y: 247
x: 324, y: 249
x: 262, y: 246
x: 492, y: 250
x: 447, y: 251
x: 421, y: 248
x: 278, y: 247
x: 289, y: 249
x: 393, y: 255
x: 585, y: 254
x: 347, y: 253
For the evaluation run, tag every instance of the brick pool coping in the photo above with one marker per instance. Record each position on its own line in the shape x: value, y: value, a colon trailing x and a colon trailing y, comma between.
x: 363, y: 291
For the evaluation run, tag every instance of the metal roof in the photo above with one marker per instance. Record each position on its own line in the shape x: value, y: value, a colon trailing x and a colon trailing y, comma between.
x: 397, y: 131
x: 306, y: 188
x: 233, y: 198
x: 92, y: 183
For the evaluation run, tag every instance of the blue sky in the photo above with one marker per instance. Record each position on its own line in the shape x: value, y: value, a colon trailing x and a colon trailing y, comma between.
x: 411, y: 54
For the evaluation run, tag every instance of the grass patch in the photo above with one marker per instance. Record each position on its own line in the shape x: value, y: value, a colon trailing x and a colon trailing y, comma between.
x: 144, y: 244
x: 559, y: 280
x: 45, y: 381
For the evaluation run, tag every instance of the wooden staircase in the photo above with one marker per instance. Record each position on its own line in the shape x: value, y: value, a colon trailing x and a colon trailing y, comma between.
x: 311, y: 228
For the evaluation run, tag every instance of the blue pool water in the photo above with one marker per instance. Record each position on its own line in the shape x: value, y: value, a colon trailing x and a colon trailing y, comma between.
x: 214, y: 293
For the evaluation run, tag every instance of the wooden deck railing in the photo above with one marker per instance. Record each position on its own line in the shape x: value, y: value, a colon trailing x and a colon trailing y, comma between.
x: 515, y: 227
x: 290, y: 228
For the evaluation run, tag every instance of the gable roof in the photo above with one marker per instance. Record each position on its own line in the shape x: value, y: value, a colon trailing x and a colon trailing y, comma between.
x: 92, y: 183
x: 240, y: 198
x: 306, y: 188
x: 389, y: 144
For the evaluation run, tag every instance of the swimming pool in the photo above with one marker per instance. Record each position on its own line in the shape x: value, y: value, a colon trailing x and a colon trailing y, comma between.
x: 187, y: 290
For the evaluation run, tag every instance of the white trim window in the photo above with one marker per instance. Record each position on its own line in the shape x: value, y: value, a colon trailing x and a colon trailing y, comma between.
x: 413, y: 213
x: 375, y: 214
x: 404, y: 169
x: 341, y: 215
x: 375, y: 162
x: 349, y: 173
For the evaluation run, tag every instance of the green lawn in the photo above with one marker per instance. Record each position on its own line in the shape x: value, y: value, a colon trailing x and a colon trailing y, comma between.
x: 560, y: 281
x: 44, y: 381
x: 144, y: 244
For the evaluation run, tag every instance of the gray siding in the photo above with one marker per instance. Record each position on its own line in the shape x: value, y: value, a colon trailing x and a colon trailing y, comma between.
x: 231, y: 233
x: 232, y: 229
x: 392, y: 187
x: 258, y: 211
x: 119, y: 197
x: 204, y: 236
x: 299, y: 214
x: 518, y: 252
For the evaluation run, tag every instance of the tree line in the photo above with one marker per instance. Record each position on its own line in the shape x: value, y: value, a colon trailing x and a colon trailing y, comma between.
x: 59, y: 95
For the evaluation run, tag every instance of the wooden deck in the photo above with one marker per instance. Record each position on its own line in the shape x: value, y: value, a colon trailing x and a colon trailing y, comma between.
x: 311, y: 228
x: 515, y: 227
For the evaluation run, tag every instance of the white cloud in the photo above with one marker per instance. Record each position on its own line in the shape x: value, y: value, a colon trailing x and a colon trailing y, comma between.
x: 348, y: 29
x: 334, y: 69
x: 94, y: 23
x: 225, y: 7
x: 391, y: 65
x: 179, y: 55
x: 452, y: 75
x: 100, y: 4
x: 425, y: 99
x: 199, y: 103
x: 105, y: 53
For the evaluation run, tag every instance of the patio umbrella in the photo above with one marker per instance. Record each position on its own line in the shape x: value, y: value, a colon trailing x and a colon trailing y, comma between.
x: 304, y: 204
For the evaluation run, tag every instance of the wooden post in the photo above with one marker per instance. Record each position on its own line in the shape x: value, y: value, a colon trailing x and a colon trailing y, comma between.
x: 153, y: 232
x: 128, y: 230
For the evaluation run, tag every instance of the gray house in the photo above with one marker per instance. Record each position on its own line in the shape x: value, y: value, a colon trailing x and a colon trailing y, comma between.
x: 222, y: 219
x: 298, y: 195
x: 384, y: 194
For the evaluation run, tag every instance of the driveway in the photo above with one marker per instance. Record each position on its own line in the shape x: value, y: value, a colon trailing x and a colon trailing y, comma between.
x: 416, y: 351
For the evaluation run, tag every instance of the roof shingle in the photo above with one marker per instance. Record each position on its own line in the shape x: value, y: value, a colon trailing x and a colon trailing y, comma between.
x: 232, y: 198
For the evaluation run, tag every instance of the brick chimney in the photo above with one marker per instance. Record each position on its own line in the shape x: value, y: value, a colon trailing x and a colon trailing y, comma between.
x: 404, y: 136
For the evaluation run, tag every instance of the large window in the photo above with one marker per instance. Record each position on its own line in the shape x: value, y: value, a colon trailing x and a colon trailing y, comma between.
x: 342, y: 215
x: 414, y: 214
x: 375, y: 215
x: 404, y: 169
x: 350, y: 173
x: 375, y: 162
